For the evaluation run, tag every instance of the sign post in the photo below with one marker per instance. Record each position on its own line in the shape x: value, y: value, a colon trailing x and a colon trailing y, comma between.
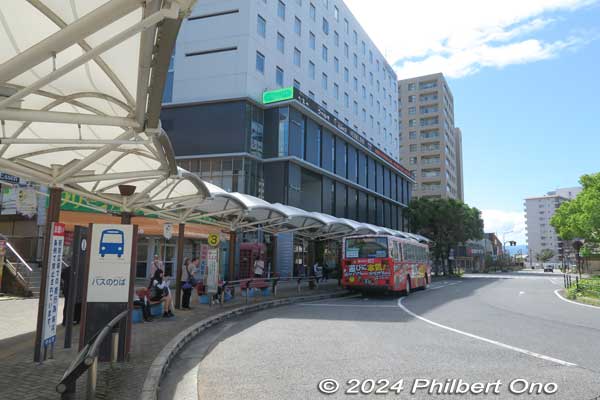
x: 109, y: 283
x: 2, y: 254
x: 52, y: 293
x: 212, y: 265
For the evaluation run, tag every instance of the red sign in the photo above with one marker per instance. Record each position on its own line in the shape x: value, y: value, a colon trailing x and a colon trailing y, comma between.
x: 59, y: 229
x: 69, y: 238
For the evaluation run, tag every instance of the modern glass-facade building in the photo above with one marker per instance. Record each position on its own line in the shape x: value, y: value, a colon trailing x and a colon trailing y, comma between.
x: 291, y: 151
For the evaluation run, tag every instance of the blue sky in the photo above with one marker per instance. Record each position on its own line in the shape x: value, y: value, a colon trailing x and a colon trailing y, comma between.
x: 526, y: 85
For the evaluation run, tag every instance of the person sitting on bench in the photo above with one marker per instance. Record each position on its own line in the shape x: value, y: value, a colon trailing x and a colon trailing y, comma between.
x: 159, y: 291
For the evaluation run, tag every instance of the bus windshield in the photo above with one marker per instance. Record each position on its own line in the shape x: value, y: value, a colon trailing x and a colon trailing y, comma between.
x: 366, y: 247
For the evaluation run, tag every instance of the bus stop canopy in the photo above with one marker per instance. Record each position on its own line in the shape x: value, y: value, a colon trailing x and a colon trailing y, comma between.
x: 81, y: 86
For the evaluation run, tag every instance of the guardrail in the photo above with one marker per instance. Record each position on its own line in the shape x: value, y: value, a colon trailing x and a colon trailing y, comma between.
x: 245, y: 284
x: 87, y: 360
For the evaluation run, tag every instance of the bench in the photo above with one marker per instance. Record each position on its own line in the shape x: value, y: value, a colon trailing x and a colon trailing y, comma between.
x: 257, y: 283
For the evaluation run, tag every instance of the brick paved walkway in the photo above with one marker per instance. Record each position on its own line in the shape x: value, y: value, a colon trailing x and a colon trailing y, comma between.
x: 22, y: 379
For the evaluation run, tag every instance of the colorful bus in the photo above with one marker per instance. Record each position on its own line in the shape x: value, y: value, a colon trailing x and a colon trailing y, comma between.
x: 385, y: 263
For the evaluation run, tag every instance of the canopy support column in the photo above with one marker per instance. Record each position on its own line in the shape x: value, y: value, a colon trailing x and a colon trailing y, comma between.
x: 180, y: 248
x: 232, y: 241
x: 52, y: 215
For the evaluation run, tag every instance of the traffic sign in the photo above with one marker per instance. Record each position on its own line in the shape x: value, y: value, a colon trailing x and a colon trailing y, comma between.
x: 213, y: 240
x: 168, y: 230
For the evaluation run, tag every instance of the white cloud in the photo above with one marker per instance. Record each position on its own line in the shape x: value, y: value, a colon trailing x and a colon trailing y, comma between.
x: 510, y: 222
x: 460, y: 37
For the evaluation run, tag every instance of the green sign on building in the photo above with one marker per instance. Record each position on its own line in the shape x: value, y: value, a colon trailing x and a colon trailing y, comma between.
x: 274, y: 96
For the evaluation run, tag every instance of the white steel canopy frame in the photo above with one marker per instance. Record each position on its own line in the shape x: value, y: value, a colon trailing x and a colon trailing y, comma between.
x: 81, y: 85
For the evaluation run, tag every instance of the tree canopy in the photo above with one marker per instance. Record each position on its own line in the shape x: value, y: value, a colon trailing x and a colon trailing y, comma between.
x: 580, y: 217
x: 445, y: 221
x: 545, y: 255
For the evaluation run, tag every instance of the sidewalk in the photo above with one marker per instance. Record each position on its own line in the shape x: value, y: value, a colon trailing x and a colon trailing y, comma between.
x: 22, y: 379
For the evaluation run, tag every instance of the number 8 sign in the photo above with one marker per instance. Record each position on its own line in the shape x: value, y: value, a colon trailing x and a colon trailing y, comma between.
x: 213, y: 240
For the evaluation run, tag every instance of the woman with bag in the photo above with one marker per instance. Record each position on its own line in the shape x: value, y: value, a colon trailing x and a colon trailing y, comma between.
x: 188, y: 282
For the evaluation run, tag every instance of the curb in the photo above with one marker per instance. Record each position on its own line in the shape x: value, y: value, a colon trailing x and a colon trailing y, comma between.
x: 160, y: 365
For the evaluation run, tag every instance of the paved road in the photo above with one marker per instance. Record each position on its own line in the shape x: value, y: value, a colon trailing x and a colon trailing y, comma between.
x: 479, y: 329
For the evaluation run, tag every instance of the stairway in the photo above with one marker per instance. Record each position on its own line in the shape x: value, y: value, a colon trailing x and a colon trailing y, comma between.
x: 35, y: 280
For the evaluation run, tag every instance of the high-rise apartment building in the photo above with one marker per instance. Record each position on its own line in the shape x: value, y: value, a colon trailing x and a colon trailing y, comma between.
x: 430, y: 144
x: 538, y: 213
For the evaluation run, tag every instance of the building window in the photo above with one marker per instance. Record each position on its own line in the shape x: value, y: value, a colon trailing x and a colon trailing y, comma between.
x: 281, y: 9
x: 346, y: 75
x: 280, y: 42
x: 346, y: 50
x: 313, y: 12
x: 297, y: 84
x: 412, y: 87
x: 298, y: 26
x: 336, y: 64
x: 325, y: 53
x: 336, y: 13
x: 297, y: 57
x: 412, y: 110
x: 261, y: 26
x: 325, y: 26
x: 260, y: 62
x: 347, y: 26
x: 311, y: 95
x: 412, y: 98
x: 336, y: 39
x: 346, y: 100
x: 324, y: 81
x: 279, y: 76
x: 355, y: 84
x: 312, y: 42
x: 355, y: 108
x: 412, y: 135
x: 336, y: 91
x: 311, y: 70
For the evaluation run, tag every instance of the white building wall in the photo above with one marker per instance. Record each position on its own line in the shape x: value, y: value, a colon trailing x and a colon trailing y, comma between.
x: 233, y: 74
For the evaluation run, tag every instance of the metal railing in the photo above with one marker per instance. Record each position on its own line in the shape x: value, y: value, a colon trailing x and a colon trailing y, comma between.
x: 272, y: 283
x: 87, y: 360
x: 19, y: 267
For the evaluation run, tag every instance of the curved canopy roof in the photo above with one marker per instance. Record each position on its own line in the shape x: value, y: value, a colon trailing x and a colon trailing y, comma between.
x: 81, y: 85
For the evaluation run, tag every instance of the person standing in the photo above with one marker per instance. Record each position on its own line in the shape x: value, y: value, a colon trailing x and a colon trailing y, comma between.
x: 259, y: 267
x: 188, y: 281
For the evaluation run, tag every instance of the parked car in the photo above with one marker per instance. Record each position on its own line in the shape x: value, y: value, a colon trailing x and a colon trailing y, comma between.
x: 549, y: 268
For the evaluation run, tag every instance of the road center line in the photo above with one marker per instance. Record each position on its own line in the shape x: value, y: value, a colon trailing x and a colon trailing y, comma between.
x: 490, y: 341
x: 557, y: 293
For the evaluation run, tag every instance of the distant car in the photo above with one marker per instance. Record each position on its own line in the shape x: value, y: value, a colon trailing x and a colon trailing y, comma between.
x: 549, y: 268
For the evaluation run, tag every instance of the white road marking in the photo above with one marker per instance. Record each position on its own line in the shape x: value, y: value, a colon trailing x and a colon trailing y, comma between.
x: 443, y: 286
x: 490, y: 341
x: 553, y: 281
x: 557, y: 293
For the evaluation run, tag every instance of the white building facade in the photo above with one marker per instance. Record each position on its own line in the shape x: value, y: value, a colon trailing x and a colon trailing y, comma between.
x: 234, y: 49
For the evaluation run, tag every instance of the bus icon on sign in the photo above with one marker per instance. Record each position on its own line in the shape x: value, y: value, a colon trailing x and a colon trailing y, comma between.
x: 112, y: 241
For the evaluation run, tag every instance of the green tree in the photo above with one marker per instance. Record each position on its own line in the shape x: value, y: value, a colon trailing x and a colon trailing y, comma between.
x: 447, y: 222
x: 580, y: 217
x: 544, y: 256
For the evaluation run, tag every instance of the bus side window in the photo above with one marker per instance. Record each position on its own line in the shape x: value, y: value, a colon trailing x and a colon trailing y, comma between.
x: 397, y: 252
